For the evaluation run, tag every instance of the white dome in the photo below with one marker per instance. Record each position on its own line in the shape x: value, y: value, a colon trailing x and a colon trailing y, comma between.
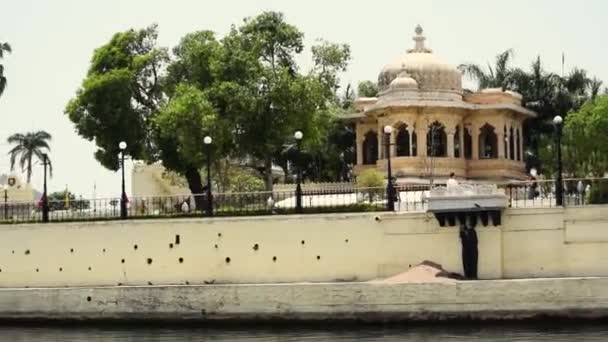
x: 404, y: 81
x: 429, y: 71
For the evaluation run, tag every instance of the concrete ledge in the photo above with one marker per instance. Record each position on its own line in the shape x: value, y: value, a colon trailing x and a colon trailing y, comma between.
x: 478, y: 300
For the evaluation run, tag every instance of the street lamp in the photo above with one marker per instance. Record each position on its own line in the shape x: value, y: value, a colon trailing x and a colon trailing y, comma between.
x: 298, y: 135
x: 123, y: 196
x: 207, y: 141
x: 559, y: 186
x: 45, y: 200
x: 390, y: 189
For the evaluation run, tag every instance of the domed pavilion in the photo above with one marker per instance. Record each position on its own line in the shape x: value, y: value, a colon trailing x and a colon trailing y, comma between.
x: 437, y: 128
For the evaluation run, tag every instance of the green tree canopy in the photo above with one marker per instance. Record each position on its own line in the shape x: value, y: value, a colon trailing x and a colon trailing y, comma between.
x: 367, y: 89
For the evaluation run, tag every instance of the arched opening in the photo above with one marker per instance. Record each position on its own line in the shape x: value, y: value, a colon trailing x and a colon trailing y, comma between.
x: 457, y: 146
x: 370, y: 148
x: 414, y: 144
x: 436, y: 140
x: 403, y: 141
x: 517, y: 144
x: 468, y: 144
x: 511, y: 144
x: 488, y: 143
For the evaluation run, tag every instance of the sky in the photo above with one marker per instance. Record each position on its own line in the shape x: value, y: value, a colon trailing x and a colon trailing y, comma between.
x: 53, y: 42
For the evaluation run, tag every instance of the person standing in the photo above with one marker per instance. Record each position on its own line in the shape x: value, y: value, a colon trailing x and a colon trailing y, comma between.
x: 452, y: 183
x: 468, y: 239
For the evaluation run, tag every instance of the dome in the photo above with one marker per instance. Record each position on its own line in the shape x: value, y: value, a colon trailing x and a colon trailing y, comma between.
x: 429, y: 71
x: 403, y: 81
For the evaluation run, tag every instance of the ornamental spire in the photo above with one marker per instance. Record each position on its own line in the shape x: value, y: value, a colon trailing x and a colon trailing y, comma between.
x: 419, y: 38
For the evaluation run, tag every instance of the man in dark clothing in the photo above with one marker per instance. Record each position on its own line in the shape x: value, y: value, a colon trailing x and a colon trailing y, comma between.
x: 468, y: 238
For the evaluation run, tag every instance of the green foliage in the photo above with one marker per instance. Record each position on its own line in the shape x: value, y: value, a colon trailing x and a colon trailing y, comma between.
x: 57, y: 201
x: 27, y: 147
x: 367, y: 89
x: 185, y: 120
x: 245, y: 182
x: 119, y: 95
x: 4, y: 47
x: 370, y: 178
x: 598, y: 193
x: 499, y: 76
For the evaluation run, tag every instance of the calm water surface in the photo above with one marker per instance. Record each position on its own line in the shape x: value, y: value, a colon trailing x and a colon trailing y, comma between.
x: 555, y: 333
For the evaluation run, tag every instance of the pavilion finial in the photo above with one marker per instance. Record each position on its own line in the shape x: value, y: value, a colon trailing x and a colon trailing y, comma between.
x: 419, y: 38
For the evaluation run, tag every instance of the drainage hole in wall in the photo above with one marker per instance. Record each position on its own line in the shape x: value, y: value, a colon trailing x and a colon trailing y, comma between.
x: 187, y: 282
x: 149, y: 283
x: 37, y: 270
x: 216, y: 246
x: 177, y: 239
x: 181, y: 260
x: 274, y: 258
x: 60, y: 269
x: 256, y: 247
x: 119, y: 284
x: 303, y: 242
x: 135, y: 247
x: 170, y: 245
x: 227, y: 260
x: 88, y: 298
x: 410, y: 266
x: 27, y: 252
x: 318, y: 257
x: 90, y: 269
x: 0, y: 270
x: 71, y: 250
x: 346, y: 240
x: 219, y: 234
x: 149, y: 261
x: 13, y: 252
x: 122, y: 261
x: 103, y: 250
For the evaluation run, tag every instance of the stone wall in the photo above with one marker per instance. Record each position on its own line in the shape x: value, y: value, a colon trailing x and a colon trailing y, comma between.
x: 308, y: 248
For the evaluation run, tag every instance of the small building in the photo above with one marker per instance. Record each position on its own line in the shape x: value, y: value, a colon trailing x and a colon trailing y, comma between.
x: 437, y: 127
x: 15, y: 191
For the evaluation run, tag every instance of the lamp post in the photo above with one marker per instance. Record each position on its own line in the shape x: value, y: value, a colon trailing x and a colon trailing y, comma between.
x: 390, y: 189
x: 559, y: 186
x: 123, y: 196
x: 298, y: 135
x: 45, y: 200
x: 207, y: 141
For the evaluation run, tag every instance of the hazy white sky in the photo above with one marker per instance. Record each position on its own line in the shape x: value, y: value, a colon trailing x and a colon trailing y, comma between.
x: 53, y: 41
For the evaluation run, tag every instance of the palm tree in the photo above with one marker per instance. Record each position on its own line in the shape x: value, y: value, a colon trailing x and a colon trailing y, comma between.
x: 499, y: 76
x: 3, y: 47
x: 28, y: 146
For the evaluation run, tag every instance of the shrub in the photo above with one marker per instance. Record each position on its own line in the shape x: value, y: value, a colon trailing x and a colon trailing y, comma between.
x: 598, y: 193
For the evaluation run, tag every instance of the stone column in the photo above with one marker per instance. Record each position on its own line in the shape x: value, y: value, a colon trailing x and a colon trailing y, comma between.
x: 508, y: 142
x: 359, y: 151
x: 410, y: 131
x: 501, y: 145
x: 474, y: 142
x: 461, y: 136
x: 421, y: 143
x: 450, y: 136
x: 521, y: 144
x: 393, y: 143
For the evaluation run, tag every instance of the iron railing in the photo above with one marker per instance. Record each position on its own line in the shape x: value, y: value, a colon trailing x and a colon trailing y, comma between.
x: 411, y: 197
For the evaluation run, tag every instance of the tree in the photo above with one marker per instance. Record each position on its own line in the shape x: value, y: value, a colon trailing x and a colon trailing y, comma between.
x: 27, y: 147
x: 499, y: 76
x: 4, y: 47
x: 367, y: 89
x: 119, y: 95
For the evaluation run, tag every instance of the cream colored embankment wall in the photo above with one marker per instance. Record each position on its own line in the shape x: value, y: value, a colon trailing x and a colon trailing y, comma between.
x: 315, y: 248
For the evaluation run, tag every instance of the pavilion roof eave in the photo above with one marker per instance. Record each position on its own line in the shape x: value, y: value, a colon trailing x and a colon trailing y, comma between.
x: 449, y: 104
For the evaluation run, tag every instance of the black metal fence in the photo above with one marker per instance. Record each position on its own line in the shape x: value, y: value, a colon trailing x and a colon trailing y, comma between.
x: 410, y: 197
x: 223, y: 204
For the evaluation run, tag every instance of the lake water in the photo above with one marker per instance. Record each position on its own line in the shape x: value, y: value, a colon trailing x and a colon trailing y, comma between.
x: 555, y: 332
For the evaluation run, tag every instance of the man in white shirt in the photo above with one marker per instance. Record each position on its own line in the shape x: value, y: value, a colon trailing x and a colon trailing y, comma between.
x: 452, y: 183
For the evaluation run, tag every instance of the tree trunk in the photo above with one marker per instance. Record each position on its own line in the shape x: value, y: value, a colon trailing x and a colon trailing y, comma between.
x: 268, y: 172
x: 196, y: 187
